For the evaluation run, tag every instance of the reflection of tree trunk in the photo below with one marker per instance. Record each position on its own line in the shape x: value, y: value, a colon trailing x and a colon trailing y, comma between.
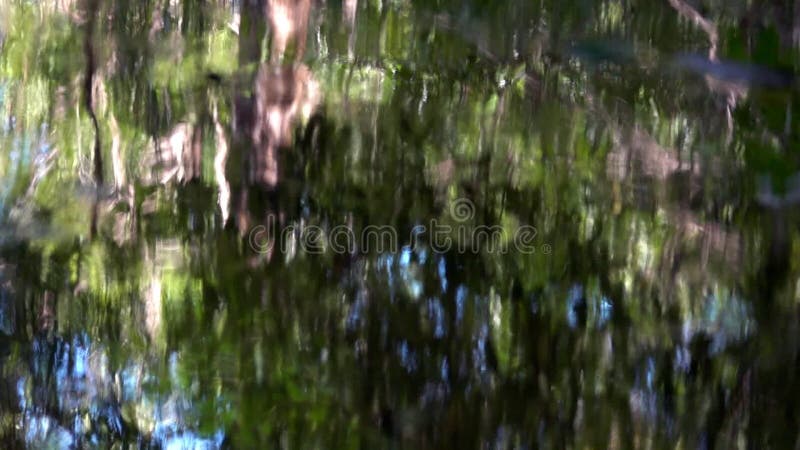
x: 288, y: 21
x: 193, y: 154
x: 178, y: 154
x: 124, y: 224
x: 88, y: 83
x: 349, y: 18
x: 116, y: 156
x: 220, y: 159
x: 280, y: 95
x: 264, y: 120
x: 251, y: 30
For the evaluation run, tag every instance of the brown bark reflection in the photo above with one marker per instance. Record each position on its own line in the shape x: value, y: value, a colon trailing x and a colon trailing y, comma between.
x: 288, y: 22
x: 269, y: 107
x: 269, y: 100
x: 280, y: 95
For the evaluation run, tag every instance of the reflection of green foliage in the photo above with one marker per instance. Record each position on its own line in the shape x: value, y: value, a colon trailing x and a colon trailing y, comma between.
x: 210, y: 55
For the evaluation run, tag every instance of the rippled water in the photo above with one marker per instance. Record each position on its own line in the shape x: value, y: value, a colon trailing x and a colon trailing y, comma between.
x: 399, y: 224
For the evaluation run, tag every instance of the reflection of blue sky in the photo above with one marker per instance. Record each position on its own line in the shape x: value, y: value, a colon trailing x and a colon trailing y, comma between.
x: 644, y: 396
x: 442, y: 274
x: 408, y: 358
x: 404, y: 267
x: 461, y: 298
x: 479, y: 350
x: 574, y: 297
x: 410, y: 273
x: 6, y: 123
x: 405, y: 257
x: 599, y: 307
x: 86, y: 383
x: 725, y: 318
x: 7, y: 182
x: 24, y: 149
x: 43, y: 432
x: 404, y: 270
x: 436, y: 312
x: 191, y: 441
x: 354, y: 314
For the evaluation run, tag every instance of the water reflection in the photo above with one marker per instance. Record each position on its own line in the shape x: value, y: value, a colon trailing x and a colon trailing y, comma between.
x: 650, y: 144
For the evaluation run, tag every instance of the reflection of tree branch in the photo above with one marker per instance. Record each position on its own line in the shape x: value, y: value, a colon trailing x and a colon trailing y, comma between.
x: 706, y: 25
x: 730, y: 90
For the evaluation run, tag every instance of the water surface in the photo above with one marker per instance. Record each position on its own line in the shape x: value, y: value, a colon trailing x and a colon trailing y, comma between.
x: 219, y: 224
